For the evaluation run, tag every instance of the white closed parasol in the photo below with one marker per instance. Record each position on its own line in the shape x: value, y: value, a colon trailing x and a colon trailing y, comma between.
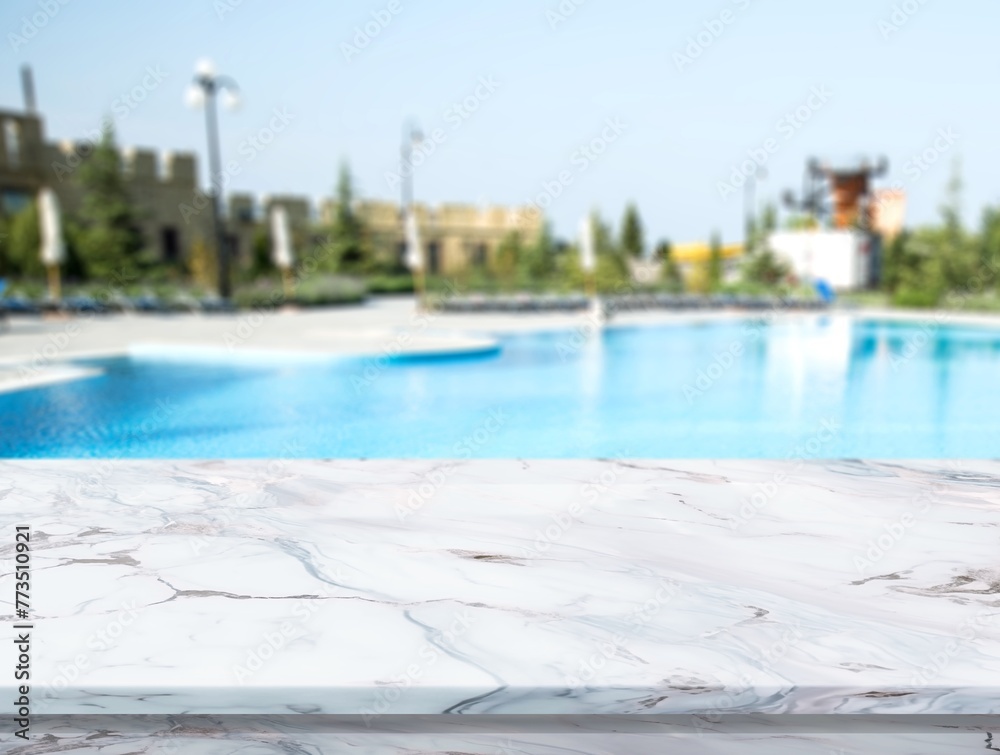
x: 282, y: 254
x: 414, y: 258
x: 53, y: 247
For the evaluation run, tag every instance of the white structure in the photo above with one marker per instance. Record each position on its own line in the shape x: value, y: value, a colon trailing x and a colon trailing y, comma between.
x: 588, y: 252
x: 282, y: 254
x: 53, y: 251
x: 841, y: 258
x: 414, y: 254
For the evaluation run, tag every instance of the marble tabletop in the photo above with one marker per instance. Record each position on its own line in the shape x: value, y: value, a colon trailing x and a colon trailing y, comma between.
x: 295, y: 734
x: 380, y: 588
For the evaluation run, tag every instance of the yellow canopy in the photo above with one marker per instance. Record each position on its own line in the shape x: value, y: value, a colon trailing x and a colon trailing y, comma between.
x: 700, y: 251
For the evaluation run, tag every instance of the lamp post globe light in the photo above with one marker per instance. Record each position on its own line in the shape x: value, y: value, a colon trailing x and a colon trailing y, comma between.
x: 207, y: 83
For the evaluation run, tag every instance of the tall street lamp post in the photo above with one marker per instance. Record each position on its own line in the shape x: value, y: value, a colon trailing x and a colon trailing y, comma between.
x: 206, y: 84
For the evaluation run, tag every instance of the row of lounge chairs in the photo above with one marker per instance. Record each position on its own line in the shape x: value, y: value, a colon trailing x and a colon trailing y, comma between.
x: 641, y: 302
x: 20, y: 305
x: 515, y: 303
x: 623, y: 303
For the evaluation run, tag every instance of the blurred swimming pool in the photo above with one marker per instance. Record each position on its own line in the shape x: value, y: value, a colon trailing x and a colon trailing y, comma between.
x: 812, y: 387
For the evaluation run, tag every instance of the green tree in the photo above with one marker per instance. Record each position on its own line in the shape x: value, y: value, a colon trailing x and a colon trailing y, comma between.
x: 108, y: 239
x: 260, y: 250
x: 951, y: 209
x: 801, y: 222
x: 6, y: 267
x: 633, y: 242
x: 989, y: 245
x: 958, y: 253
x: 536, y: 262
x: 24, y: 244
x: 352, y: 251
x: 508, y: 258
x: 769, y: 218
x: 894, y: 262
x: 764, y: 267
x: 917, y: 270
x: 921, y: 267
x: 760, y: 229
x: 921, y: 279
x: 713, y: 272
x: 670, y: 272
x: 613, y: 272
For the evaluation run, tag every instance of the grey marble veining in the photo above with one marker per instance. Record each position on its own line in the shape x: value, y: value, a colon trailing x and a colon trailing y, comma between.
x: 515, y: 735
x: 380, y: 588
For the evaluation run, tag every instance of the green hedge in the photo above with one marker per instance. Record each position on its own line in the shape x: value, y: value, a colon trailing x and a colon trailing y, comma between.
x: 317, y: 291
x: 915, y: 297
x: 390, y: 284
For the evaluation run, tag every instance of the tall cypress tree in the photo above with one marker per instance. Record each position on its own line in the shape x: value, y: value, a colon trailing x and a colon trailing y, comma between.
x: 633, y: 243
x: 348, y: 231
x: 108, y: 237
x: 22, y: 247
x: 715, y: 263
x: 537, y: 260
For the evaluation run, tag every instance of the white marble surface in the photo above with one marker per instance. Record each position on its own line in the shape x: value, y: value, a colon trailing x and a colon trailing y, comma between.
x: 380, y: 588
x: 514, y: 735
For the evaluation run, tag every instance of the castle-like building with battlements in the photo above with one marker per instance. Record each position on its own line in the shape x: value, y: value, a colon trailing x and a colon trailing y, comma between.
x: 173, y: 213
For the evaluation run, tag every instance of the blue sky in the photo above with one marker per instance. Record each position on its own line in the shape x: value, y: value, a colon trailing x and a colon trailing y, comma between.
x: 554, y: 85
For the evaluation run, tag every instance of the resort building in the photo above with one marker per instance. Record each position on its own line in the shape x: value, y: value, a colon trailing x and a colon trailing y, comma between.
x: 159, y: 185
x: 692, y: 258
x: 847, y: 253
x: 456, y: 237
x: 173, y: 212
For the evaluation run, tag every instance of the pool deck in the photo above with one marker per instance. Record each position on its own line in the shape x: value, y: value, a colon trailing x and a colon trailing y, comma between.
x: 382, y: 589
x: 37, y: 351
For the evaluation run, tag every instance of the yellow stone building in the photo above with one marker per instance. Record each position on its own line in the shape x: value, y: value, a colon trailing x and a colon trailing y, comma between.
x: 455, y: 237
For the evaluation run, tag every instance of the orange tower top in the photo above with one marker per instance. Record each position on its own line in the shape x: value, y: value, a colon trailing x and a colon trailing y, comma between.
x: 851, y: 191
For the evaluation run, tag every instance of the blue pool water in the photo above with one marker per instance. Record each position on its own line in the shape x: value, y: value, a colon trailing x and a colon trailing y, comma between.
x: 814, y: 387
